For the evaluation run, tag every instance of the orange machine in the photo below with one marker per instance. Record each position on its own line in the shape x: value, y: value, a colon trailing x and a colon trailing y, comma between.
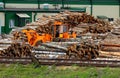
x: 33, y: 37
x: 59, y: 31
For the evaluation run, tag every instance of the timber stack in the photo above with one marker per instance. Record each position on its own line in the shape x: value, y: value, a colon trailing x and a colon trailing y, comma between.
x: 16, y: 50
x: 83, y: 51
x: 112, y: 41
x: 82, y: 23
x: 72, y: 19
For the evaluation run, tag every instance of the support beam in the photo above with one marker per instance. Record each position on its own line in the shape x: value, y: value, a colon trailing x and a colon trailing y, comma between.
x: 62, y: 3
x: 4, y: 3
x: 35, y: 16
x: 91, y: 7
x: 38, y: 4
x: 119, y: 8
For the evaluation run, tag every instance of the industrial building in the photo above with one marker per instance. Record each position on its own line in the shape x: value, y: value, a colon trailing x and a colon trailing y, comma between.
x: 20, y: 12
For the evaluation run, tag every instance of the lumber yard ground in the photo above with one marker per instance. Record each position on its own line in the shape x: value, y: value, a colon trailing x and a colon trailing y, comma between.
x: 28, y: 71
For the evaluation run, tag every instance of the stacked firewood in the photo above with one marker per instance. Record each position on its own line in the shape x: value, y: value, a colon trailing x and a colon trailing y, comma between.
x: 83, y: 51
x: 16, y: 50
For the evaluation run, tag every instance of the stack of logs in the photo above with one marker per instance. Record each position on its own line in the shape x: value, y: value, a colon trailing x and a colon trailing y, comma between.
x: 99, y: 28
x: 83, y: 51
x: 16, y: 50
x: 116, y: 22
x: 111, y: 43
x: 72, y: 19
x: 92, y: 28
x: 44, y: 29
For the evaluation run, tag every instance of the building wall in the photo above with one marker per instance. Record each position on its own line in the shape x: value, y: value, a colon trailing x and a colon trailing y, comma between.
x: 2, y: 19
x: 2, y: 22
x: 111, y: 11
x: 12, y: 16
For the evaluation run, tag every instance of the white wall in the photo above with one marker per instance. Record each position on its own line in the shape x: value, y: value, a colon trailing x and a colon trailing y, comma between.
x: 109, y: 11
x: 2, y: 19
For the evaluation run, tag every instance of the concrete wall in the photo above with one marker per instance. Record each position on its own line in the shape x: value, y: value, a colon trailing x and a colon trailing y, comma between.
x: 2, y: 19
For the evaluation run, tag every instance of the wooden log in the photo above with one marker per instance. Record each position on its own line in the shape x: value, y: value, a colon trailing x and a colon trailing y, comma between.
x: 110, y: 45
x: 110, y: 49
x: 54, y: 46
x: 109, y: 54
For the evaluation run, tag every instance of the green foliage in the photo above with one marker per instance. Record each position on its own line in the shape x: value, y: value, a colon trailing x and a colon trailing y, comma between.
x: 28, y: 71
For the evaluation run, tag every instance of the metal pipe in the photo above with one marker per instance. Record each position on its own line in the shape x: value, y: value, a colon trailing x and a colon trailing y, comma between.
x: 91, y: 3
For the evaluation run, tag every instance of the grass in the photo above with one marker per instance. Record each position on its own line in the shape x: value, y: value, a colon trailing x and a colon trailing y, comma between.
x: 28, y: 71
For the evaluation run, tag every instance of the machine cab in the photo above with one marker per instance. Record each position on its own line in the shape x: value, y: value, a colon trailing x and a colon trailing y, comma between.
x: 60, y: 30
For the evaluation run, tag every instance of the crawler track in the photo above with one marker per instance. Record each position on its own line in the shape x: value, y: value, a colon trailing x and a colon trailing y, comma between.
x: 65, y: 62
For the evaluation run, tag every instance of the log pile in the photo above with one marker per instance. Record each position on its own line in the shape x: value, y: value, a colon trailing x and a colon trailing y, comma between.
x: 79, y: 22
x: 92, y: 28
x: 79, y: 51
x: 116, y: 23
x: 72, y: 19
x: 44, y: 29
x: 83, y: 51
x: 16, y: 50
x: 111, y: 43
x: 99, y: 28
x: 109, y: 54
